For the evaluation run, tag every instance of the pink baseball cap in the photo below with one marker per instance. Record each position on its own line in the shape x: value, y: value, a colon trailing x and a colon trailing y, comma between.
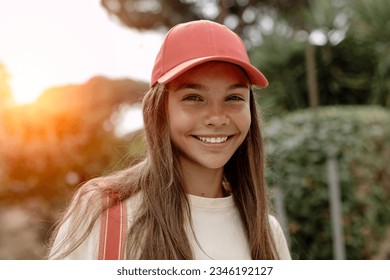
x: 189, y: 44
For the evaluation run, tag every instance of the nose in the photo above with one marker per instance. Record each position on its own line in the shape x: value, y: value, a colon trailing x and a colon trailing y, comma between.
x: 216, y: 115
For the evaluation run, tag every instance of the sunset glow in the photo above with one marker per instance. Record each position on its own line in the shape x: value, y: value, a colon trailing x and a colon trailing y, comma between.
x: 52, y: 43
x: 29, y: 80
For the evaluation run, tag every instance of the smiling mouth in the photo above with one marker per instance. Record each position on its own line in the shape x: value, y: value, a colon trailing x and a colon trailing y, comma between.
x: 213, y: 140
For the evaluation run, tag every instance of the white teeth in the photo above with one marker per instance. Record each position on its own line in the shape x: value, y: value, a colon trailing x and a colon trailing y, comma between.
x: 213, y: 139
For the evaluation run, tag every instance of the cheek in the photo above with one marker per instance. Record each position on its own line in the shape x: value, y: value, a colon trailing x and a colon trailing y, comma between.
x: 177, y: 119
x: 243, y: 121
x: 172, y: 114
x: 181, y: 123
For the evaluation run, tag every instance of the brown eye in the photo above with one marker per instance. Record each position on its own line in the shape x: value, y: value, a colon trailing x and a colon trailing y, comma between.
x: 194, y: 98
x: 235, y: 98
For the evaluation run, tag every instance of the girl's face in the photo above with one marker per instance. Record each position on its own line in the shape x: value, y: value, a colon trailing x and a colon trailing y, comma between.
x: 209, y: 114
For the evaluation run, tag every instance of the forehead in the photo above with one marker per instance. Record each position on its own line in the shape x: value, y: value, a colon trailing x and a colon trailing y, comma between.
x: 209, y: 72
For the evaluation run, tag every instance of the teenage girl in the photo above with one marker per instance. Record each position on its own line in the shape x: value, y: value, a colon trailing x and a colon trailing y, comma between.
x: 200, y: 192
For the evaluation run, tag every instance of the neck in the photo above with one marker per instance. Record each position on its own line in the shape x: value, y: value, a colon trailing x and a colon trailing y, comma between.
x: 203, y: 181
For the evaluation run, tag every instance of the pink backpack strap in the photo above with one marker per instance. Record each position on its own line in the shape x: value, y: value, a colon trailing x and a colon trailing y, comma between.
x: 113, y: 230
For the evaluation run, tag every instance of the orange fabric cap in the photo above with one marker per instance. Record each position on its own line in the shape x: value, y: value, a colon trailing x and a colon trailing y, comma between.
x: 189, y: 44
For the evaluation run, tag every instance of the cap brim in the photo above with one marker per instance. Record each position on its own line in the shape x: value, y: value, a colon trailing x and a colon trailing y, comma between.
x: 255, y: 76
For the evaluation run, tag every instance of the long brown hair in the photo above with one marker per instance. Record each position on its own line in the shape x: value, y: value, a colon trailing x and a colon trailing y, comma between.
x: 165, y: 212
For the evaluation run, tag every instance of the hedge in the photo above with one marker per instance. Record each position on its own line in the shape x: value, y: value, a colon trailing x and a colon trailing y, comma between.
x: 298, y: 145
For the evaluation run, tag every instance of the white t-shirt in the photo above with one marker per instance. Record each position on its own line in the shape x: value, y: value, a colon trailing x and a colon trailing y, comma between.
x: 217, y: 226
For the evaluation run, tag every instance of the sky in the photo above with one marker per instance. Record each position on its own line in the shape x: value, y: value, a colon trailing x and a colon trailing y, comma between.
x: 46, y: 43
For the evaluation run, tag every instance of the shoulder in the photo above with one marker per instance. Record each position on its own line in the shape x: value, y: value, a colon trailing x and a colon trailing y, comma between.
x: 279, y: 238
x: 77, y: 230
x: 276, y: 228
x: 275, y: 225
x: 133, y: 205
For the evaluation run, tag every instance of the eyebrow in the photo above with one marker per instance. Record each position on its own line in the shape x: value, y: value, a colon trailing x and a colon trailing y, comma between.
x: 235, y: 86
x: 204, y: 88
x: 192, y: 86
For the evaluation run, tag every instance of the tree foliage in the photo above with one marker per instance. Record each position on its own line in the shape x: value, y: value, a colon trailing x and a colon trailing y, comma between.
x: 299, y: 145
x: 65, y: 138
x: 50, y: 147
x: 242, y: 16
x: 352, y: 63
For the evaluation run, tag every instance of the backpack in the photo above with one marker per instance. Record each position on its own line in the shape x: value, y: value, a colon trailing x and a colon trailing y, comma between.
x: 113, y: 230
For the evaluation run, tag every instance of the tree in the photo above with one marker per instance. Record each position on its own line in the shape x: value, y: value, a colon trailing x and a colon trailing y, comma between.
x: 352, y: 66
x: 242, y: 16
x: 50, y: 147
x: 372, y: 27
x: 64, y: 139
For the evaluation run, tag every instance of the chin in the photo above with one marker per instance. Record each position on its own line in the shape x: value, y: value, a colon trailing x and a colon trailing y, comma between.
x: 214, y: 165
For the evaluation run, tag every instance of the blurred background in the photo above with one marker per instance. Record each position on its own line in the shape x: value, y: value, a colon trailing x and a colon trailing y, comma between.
x: 73, y: 73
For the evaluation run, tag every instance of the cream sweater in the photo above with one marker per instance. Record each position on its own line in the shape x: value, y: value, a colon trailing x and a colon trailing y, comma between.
x: 217, y: 226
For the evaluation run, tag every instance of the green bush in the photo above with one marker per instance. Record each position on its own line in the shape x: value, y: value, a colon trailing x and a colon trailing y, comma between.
x: 298, y: 145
